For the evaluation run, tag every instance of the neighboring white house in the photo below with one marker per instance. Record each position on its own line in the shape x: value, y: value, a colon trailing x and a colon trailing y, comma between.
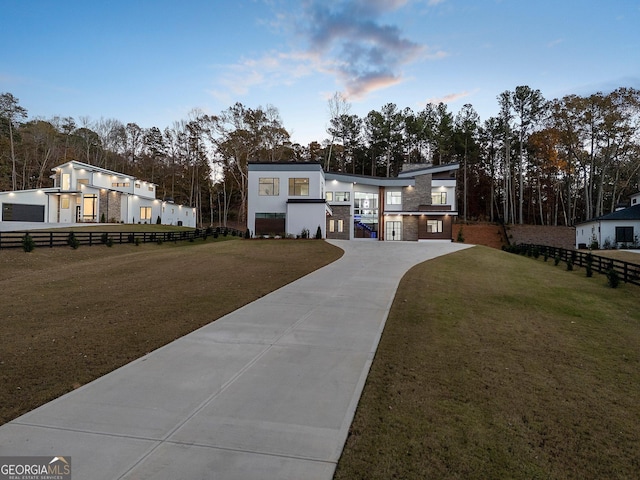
x: 615, y: 230
x: 292, y: 198
x: 84, y: 193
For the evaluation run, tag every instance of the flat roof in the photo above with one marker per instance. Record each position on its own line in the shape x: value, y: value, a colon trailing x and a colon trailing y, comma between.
x: 375, y: 181
x: 284, y: 166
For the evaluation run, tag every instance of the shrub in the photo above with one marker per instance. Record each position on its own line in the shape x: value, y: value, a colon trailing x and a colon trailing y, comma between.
x: 536, y: 252
x: 131, y: 238
x: 103, y: 219
x: 589, y: 270
x: 556, y: 260
x: 460, y: 237
x: 104, y: 238
x: 158, y: 220
x: 247, y: 234
x: 589, y: 265
x: 136, y: 242
x: 73, y: 241
x: 28, y: 243
x: 305, y: 233
x: 318, y: 233
x: 613, y: 278
x: 569, y: 265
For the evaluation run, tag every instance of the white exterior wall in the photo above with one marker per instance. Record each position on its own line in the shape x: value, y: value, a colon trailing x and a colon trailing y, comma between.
x: 585, y: 233
x: 308, y: 216
x: 171, y: 214
x: 299, y: 216
x: 603, y: 230
x: 448, y: 186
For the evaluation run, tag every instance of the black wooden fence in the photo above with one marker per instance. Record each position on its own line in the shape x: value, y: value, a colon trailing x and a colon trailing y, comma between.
x: 59, y: 238
x: 628, y: 272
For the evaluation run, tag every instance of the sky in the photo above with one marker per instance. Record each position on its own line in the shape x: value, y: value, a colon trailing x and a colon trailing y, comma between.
x: 152, y: 62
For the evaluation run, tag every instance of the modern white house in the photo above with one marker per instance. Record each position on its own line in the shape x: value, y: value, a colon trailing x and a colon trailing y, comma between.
x: 84, y: 193
x: 618, y: 229
x: 290, y: 199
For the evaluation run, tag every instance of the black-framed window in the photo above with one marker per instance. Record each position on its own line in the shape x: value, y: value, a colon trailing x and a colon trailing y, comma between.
x: 434, y: 226
x: 269, y: 187
x: 299, y: 187
x: 624, y: 234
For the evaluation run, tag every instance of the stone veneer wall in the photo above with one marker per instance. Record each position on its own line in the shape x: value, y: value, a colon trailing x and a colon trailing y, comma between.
x: 109, y: 203
x: 340, y: 212
x: 410, y: 227
x: 413, y: 197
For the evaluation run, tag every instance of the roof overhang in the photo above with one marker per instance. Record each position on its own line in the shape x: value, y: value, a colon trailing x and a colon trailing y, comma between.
x: 373, y: 181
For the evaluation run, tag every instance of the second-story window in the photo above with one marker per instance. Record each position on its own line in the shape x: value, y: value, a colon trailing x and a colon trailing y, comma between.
x: 269, y: 187
x: 394, y: 198
x: 299, y: 187
x: 439, y: 198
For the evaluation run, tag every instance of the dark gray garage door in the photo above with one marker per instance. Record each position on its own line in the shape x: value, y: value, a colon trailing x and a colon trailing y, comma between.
x: 18, y: 212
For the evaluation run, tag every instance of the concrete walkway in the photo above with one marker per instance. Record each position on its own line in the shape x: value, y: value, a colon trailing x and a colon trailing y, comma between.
x: 266, y: 392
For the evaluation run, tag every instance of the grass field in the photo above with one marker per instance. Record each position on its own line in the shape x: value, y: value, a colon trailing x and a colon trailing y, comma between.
x: 69, y: 316
x: 493, y: 366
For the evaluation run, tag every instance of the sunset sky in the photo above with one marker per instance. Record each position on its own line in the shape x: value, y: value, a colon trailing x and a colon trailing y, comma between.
x: 152, y: 62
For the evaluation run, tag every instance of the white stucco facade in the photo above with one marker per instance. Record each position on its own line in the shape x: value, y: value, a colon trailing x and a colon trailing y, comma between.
x: 84, y: 193
x: 616, y: 230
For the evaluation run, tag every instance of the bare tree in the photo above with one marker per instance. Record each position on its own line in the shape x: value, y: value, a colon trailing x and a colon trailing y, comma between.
x: 11, y: 111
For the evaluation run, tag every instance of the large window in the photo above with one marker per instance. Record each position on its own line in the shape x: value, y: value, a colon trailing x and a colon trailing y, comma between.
x: 338, y: 196
x: 66, y: 181
x: 394, y: 198
x: 299, y: 187
x: 64, y: 203
x: 434, y: 226
x: 145, y: 213
x: 89, y: 208
x: 439, y: 198
x: 269, y: 187
x: 624, y: 234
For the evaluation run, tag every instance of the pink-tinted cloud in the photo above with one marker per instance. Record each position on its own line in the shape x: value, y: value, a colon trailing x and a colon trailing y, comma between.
x: 364, y: 53
x: 450, y: 98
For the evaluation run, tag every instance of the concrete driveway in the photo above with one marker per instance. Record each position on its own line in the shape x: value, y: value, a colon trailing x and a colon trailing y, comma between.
x: 266, y: 392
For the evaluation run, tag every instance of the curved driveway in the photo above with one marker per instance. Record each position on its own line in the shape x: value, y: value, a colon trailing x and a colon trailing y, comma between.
x: 266, y: 392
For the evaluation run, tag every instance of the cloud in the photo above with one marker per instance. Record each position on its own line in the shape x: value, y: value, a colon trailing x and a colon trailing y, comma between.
x: 449, y: 98
x: 555, y: 42
x: 357, y: 48
x: 345, y: 39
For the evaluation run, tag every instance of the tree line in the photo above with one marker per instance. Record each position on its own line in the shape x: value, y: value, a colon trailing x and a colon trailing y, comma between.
x: 549, y: 162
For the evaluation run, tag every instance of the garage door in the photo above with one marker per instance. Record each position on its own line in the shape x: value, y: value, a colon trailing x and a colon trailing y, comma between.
x: 18, y: 212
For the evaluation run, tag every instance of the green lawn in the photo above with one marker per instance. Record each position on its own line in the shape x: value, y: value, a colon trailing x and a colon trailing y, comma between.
x: 494, y: 366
